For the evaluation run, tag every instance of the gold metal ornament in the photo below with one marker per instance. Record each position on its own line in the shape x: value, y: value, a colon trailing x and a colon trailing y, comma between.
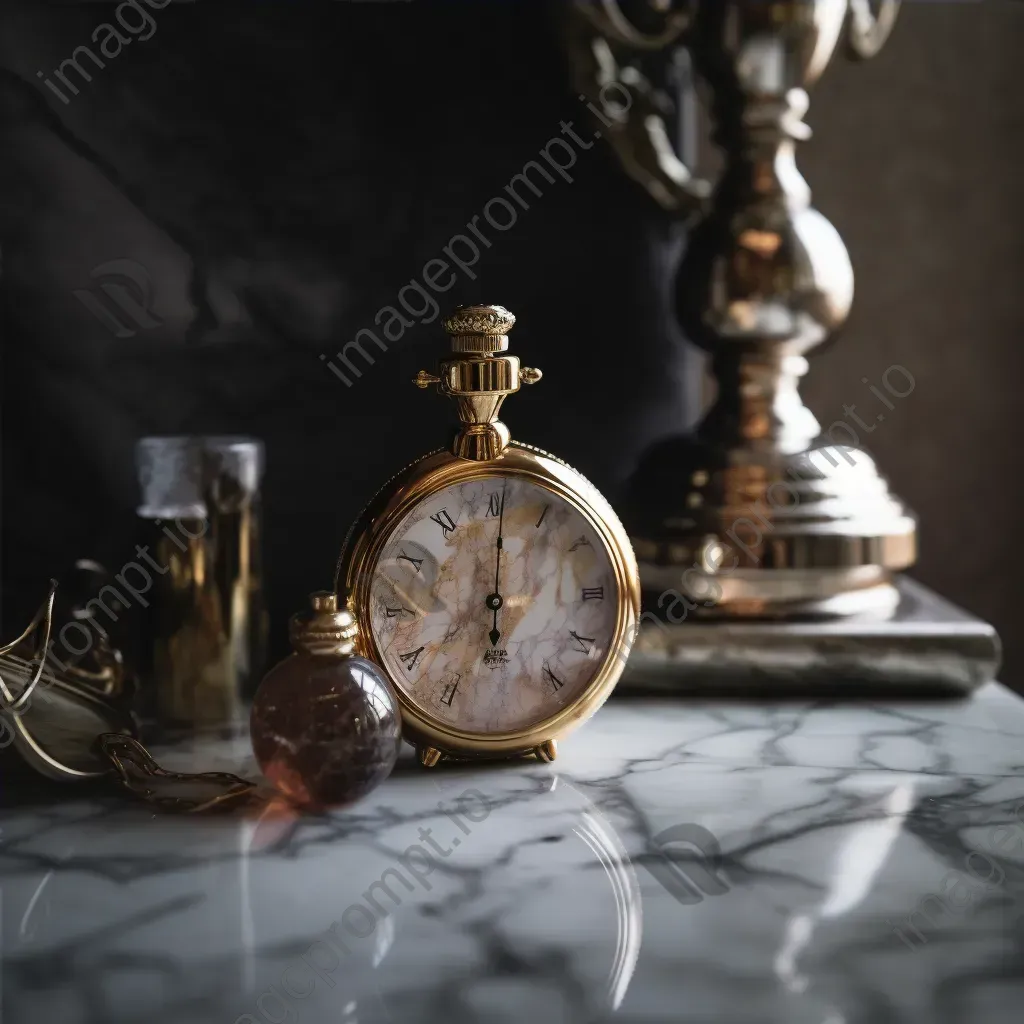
x: 328, y: 627
x: 479, y: 375
x: 73, y: 722
x: 480, y: 380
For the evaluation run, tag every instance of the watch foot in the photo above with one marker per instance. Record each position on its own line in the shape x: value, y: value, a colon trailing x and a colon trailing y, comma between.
x: 547, y: 751
x: 429, y: 756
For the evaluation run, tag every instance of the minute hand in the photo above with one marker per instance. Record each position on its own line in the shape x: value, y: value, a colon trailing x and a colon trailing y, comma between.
x: 494, y: 601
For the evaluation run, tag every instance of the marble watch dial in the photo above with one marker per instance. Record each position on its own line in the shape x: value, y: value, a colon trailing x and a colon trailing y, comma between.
x: 493, y: 604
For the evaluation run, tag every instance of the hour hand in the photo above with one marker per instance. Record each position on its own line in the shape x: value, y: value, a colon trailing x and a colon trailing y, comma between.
x: 494, y: 602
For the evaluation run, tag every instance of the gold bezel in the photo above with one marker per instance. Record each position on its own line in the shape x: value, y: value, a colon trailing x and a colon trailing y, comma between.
x: 435, y: 472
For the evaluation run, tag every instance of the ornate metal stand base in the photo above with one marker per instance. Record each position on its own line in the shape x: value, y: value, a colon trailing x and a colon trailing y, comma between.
x: 927, y: 646
x: 761, y: 534
x: 760, y: 508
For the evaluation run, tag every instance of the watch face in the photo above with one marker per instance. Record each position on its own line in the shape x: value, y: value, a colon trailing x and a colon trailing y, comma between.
x: 493, y: 604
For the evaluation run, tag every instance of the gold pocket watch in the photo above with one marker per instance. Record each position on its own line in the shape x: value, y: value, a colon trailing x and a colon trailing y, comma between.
x: 493, y: 584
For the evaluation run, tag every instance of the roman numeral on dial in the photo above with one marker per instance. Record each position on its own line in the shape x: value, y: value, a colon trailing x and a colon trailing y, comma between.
x: 593, y: 593
x: 493, y: 506
x: 550, y: 676
x: 448, y: 694
x: 583, y: 644
x: 445, y: 521
x: 543, y: 514
x: 414, y: 562
x: 397, y: 612
x: 410, y: 658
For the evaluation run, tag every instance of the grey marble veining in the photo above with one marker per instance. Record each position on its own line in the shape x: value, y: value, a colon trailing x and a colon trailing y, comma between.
x: 805, y: 836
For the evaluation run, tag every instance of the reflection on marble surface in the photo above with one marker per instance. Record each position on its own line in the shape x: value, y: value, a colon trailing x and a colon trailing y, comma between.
x: 536, y: 894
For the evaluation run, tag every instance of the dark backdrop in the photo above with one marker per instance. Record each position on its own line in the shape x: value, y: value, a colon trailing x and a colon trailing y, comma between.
x: 279, y: 171
x: 276, y: 173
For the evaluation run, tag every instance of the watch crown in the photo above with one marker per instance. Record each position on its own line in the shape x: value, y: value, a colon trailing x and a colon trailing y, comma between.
x: 479, y: 378
x: 481, y: 329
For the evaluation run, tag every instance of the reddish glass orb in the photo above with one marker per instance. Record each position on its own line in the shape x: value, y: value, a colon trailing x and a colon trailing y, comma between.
x: 325, y: 729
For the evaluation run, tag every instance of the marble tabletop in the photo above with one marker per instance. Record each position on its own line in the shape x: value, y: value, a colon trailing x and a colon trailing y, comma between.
x: 731, y: 861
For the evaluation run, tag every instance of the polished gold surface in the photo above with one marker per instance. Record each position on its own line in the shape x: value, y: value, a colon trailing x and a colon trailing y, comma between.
x: 424, y: 379
x: 479, y: 380
x: 547, y: 751
x: 136, y: 771
x: 325, y: 628
x: 65, y: 724
x: 357, y: 563
x: 478, y: 321
x: 208, y: 620
x: 802, y: 524
x: 428, y: 756
x: 40, y: 705
x: 207, y: 624
x: 31, y: 671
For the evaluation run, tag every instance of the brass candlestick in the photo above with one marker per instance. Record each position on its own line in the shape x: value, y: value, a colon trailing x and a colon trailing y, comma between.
x: 758, y: 513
